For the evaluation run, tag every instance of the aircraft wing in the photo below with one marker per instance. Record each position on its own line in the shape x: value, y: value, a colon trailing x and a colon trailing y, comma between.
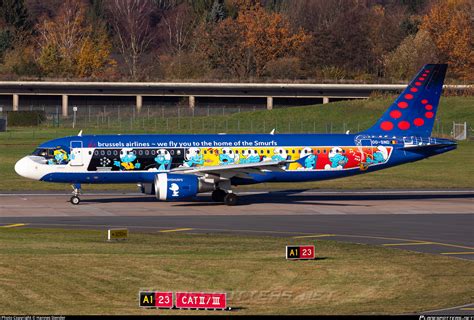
x: 235, y: 170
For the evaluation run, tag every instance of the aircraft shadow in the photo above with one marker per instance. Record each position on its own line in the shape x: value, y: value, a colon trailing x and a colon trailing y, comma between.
x: 291, y: 197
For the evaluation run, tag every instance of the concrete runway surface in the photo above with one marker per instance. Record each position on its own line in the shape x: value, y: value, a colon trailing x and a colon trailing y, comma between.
x: 437, y: 222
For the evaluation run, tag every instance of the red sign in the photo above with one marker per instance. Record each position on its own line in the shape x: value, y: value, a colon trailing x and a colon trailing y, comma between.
x: 154, y: 299
x: 200, y: 300
x: 164, y: 300
x: 300, y: 252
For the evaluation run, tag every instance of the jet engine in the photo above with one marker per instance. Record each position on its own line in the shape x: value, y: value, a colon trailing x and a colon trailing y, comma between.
x: 169, y: 186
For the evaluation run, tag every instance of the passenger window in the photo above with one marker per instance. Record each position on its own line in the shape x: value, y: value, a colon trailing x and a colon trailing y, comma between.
x: 109, y: 152
x: 153, y: 152
x: 90, y: 152
x: 96, y: 152
x: 178, y: 152
x: 147, y: 152
x: 172, y: 152
x: 115, y: 153
x: 140, y: 152
x: 102, y: 152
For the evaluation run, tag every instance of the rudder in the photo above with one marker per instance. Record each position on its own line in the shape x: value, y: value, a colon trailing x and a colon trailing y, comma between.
x: 414, y: 111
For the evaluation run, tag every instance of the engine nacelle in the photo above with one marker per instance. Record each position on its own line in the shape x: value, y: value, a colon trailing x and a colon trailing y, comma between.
x: 169, y: 186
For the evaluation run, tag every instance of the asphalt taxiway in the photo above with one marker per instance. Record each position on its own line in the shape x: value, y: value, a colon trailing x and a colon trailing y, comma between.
x: 437, y: 222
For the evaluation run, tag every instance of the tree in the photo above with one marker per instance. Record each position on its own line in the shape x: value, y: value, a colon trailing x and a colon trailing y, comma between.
x: 131, y: 21
x: 178, y: 24
x: 384, y: 33
x: 218, y: 12
x: 450, y: 26
x: 15, y: 14
x: 69, y: 45
x: 15, y: 25
x: 413, y: 52
x: 244, y: 45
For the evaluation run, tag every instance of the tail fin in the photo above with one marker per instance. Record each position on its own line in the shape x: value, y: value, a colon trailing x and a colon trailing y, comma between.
x: 414, y: 111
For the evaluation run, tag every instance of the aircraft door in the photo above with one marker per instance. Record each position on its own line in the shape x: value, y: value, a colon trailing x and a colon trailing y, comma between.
x: 76, y: 153
x: 366, y: 150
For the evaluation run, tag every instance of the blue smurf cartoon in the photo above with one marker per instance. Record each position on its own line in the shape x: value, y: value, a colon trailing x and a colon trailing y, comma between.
x: 127, y: 156
x: 163, y: 159
x: 60, y: 157
x: 311, y: 158
x: 250, y: 156
x: 338, y: 160
x: 193, y: 157
x: 228, y: 156
x: 379, y: 156
x: 279, y: 154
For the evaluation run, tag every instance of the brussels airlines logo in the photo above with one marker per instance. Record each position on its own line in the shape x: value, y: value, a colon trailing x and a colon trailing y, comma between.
x: 175, y: 188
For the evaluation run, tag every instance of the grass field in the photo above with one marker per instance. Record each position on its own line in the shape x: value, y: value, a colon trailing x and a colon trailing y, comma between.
x: 450, y: 170
x: 46, y: 271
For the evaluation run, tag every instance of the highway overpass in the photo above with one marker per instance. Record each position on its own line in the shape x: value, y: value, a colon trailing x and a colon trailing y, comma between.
x: 12, y: 92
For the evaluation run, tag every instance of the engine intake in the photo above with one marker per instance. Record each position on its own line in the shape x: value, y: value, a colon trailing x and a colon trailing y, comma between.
x: 169, y: 187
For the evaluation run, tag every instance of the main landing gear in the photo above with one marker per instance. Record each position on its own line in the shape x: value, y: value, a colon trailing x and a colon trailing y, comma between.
x: 75, y: 200
x: 224, y: 194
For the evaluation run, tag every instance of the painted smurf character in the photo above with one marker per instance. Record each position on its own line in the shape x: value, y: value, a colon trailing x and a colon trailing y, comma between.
x: 311, y: 158
x: 60, y: 157
x: 380, y: 156
x: 279, y: 154
x: 193, y: 157
x: 250, y: 156
x: 338, y: 160
x: 163, y: 159
x: 228, y: 156
x: 127, y: 157
x: 175, y: 189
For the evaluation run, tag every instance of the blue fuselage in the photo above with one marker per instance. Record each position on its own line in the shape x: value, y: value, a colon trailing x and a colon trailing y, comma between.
x: 139, y: 158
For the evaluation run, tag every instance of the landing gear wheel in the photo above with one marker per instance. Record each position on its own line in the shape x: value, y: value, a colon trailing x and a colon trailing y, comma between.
x: 75, y: 200
x: 230, y: 199
x: 218, y: 195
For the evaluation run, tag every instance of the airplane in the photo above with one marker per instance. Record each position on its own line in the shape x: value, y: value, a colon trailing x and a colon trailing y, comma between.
x: 179, y: 166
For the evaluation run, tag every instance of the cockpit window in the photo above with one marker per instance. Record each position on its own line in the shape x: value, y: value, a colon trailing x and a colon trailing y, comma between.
x: 56, y: 155
x: 42, y: 152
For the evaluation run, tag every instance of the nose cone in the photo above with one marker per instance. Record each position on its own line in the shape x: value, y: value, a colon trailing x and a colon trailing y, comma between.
x: 27, y: 168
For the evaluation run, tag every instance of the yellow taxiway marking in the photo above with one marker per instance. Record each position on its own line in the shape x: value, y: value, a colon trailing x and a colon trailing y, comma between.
x: 395, y: 239
x: 14, y: 225
x: 315, y: 236
x: 467, y: 309
x: 406, y: 244
x: 457, y: 252
x: 177, y: 230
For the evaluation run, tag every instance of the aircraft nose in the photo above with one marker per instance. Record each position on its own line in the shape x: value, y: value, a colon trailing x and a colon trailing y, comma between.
x: 25, y: 168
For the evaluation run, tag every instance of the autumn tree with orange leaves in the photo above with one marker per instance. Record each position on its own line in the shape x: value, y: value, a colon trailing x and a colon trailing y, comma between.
x: 246, y: 44
x: 449, y: 25
x: 69, y: 46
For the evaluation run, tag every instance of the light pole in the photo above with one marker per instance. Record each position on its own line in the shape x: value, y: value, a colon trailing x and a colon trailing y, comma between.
x: 74, y: 109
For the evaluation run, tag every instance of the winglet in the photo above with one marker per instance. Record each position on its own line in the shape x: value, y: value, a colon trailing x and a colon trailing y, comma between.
x: 272, y: 132
x: 79, y: 134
